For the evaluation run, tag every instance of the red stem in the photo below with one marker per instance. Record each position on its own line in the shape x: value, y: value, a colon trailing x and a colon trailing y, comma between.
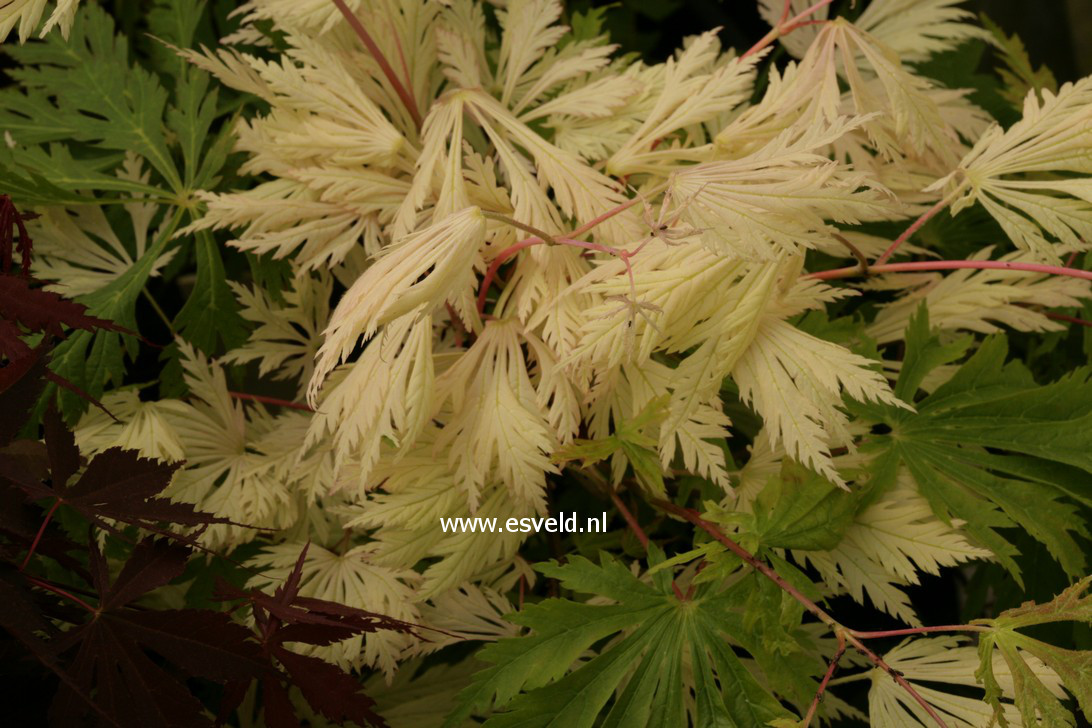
x: 786, y: 25
x: 271, y: 400
x: 58, y: 590
x: 826, y: 679
x: 694, y: 517
x: 918, y: 630
x: 917, y: 225
x: 504, y: 255
x: 934, y: 265
x: 1069, y: 319
x: 41, y: 531
x: 639, y: 532
x: 358, y: 27
x: 630, y: 520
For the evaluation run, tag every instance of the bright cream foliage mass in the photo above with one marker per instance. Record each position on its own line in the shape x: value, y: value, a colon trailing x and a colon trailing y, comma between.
x: 427, y: 406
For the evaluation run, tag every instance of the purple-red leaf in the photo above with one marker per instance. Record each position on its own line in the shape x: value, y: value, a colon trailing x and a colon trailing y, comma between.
x: 336, y: 694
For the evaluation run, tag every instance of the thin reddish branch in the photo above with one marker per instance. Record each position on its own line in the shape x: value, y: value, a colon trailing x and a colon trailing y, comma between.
x: 365, y: 38
x: 787, y: 25
x: 915, y: 226
x: 271, y: 400
x: 41, y: 531
x: 504, y: 255
x: 935, y: 265
x: 918, y: 630
x: 757, y: 564
x: 1068, y: 319
x: 58, y: 590
x: 630, y: 520
x: 694, y: 517
x: 639, y: 532
x: 826, y: 680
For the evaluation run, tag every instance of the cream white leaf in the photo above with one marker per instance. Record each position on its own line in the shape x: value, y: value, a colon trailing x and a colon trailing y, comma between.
x: 942, y: 660
x: 1013, y: 173
x: 795, y: 381
x: 496, y: 428
x: 423, y: 269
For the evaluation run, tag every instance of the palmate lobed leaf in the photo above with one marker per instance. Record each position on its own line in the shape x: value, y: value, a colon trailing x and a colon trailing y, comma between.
x: 1036, y: 702
x: 990, y: 446
x: 111, y: 668
x: 286, y: 617
x: 653, y: 635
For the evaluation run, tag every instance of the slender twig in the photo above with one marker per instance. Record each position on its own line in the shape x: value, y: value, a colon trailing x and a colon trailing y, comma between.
x: 755, y: 563
x: 271, y: 400
x: 826, y: 680
x: 365, y: 38
x: 855, y: 251
x: 1068, y: 319
x: 898, y: 678
x: 629, y: 518
x: 935, y: 265
x: 41, y: 532
x: 58, y: 590
x: 917, y: 225
x: 456, y: 324
x: 918, y: 630
x: 639, y: 532
x: 504, y: 255
x: 542, y: 235
x: 758, y: 565
x: 786, y: 25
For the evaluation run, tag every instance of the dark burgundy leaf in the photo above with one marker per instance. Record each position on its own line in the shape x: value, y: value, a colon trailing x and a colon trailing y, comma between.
x: 315, y: 634
x: 40, y: 311
x: 363, y: 620
x: 151, y: 565
x: 279, y: 712
x: 126, y: 683
x: 336, y: 694
x: 233, y: 697
x: 64, y: 456
x: 21, y: 383
x: 202, y: 642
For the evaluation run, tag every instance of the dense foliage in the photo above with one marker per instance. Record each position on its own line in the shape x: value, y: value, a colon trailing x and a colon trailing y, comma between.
x: 286, y: 286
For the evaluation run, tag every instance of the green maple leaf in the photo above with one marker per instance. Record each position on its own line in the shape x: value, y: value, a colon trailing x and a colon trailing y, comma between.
x: 664, y: 655
x: 1020, y: 76
x: 628, y: 438
x: 991, y: 447
x: 1037, y: 704
x: 80, y: 105
x: 85, y: 90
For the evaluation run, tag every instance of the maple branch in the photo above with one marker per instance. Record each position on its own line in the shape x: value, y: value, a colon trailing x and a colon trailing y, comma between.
x: 855, y: 251
x: 629, y: 518
x: 826, y: 680
x: 58, y: 590
x: 918, y: 630
x: 918, y: 224
x: 41, y: 532
x: 271, y: 400
x: 757, y: 564
x: 786, y: 25
x: 854, y: 641
x: 935, y: 265
x: 541, y: 237
x: 365, y: 38
x: 639, y: 532
x: 1068, y: 319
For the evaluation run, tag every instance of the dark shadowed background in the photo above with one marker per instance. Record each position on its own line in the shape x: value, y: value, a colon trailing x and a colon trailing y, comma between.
x: 1058, y: 33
